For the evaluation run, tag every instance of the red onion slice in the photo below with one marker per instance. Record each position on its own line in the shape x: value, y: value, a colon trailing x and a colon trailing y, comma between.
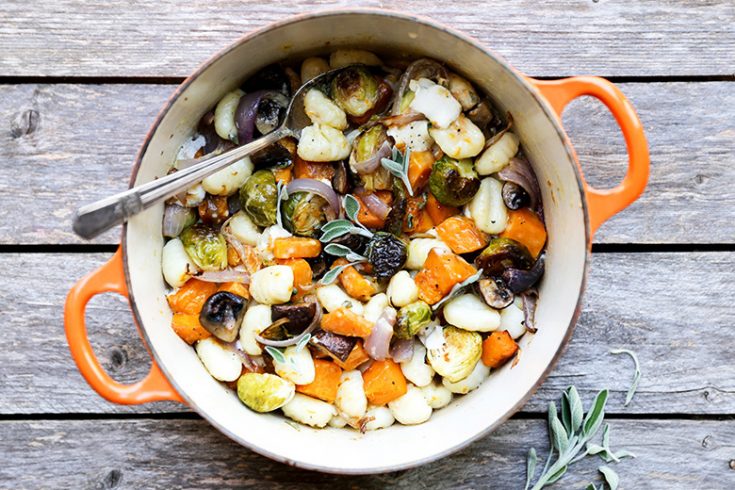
x: 373, y: 203
x: 295, y: 340
x: 530, y: 298
x: 371, y: 164
x: 175, y: 219
x: 402, y: 119
x: 245, y: 114
x: 377, y: 344
x: 421, y: 68
x: 519, y: 172
x: 235, y: 274
x: 402, y: 350
x: 317, y: 187
x: 246, y: 360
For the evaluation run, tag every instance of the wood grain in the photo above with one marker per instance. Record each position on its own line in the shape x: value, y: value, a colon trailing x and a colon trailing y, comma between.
x: 191, y: 454
x: 673, y: 309
x: 168, y: 38
x: 70, y: 144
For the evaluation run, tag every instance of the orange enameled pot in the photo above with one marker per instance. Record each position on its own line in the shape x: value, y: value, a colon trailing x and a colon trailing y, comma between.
x: 573, y: 212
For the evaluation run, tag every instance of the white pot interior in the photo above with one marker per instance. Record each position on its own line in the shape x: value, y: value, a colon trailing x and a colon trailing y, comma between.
x: 342, y: 450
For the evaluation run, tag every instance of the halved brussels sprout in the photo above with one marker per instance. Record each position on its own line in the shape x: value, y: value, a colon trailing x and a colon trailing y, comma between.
x: 368, y: 143
x: 259, y: 197
x: 355, y: 90
x: 412, y: 318
x: 205, y: 247
x: 459, y: 354
x: 264, y: 392
x: 222, y: 315
x: 501, y: 254
x: 453, y: 182
x: 304, y: 213
x: 387, y: 254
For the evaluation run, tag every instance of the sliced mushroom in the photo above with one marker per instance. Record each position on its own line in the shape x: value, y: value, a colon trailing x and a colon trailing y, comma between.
x: 222, y: 315
x: 337, y: 346
x: 495, y: 293
x: 298, y: 316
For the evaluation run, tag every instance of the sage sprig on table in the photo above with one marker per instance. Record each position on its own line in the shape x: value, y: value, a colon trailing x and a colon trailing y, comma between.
x: 636, y: 374
x: 397, y: 165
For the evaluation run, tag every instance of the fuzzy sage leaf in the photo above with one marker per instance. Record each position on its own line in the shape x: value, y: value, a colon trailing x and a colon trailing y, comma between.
x: 636, y: 374
x: 352, y: 207
x: 397, y: 165
x: 530, y: 466
x: 276, y: 354
x: 611, y: 477
x: 332, y: 274
x: 593, y: 420
x: 302, y: 342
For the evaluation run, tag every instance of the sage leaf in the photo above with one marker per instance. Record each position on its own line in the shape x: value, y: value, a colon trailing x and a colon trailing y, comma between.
x: 592, y: 486
x: 530, y: 466
x: 623, y: 453
x: 612, y: 478
x: 566, y: 416
x: 331, y: 275
x: 594, y: 449
x: 337, y: 250
x: 594, y: 417
x: 355, y: 257
x: 276, y: 354
x: 575, y: 408
x: 558, y: 474
x: 636, y: 374
x: 397, y: 165
x: 337, y: 223
x: 352, y: 206
x: 302, y: 342
x: 333, y: 233
x: 559, y: 435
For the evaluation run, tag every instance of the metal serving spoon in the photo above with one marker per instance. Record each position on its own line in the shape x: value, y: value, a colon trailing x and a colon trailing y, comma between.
x: 96, y: 218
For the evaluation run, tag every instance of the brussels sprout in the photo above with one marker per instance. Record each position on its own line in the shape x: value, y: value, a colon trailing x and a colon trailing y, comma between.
x: 304, y: 213
x: 412, y: 318
x: 459, y: 354
x: 264, y: 392
x: 205, y: 247
x: 453, y: 182
x: 222, y: 315
x: 355, y: 90
x: 387, y: 254
x: 503, y: 253
x: 368, y: 143
x: 259, y: 197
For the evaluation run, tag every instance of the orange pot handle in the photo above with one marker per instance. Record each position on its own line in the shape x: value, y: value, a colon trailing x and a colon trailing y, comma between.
x: 603, y: 204
x: 108, y: 278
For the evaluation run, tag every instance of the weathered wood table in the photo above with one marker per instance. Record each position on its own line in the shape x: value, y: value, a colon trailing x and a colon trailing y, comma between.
x: 82, y: 81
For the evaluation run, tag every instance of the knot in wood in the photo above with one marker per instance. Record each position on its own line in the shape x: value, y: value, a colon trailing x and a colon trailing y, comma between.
x: 25, y: 123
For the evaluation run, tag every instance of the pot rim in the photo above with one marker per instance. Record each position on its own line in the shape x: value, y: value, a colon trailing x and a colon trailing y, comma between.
x: 531, y: 91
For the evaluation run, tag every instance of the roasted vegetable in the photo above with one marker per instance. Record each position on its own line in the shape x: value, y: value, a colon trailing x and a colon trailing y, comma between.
x: 264, y: 392
x: 515, y: 196
x: 453, y: 182
x: 501, y: 254
x: 495, y: 293
x: 176, y: 218
x: 259, y: 197
x: 271, y: 110
x: 214, y: 210
x: 367, y: 144
x: 344, y: 322
x: 205, y: 247
x: 397, y: 215
x: 383, y: 382
x: 442, y: 270
x: 222, y: 315
x: 438, y: 212
x: 518, y: 280
x: 387, y: 254
x: 412, y: 318
x: 341, y: 181
x: 338, y: 346
x: 302, y: 276
x: 296, y: 247
x: 498, y: 348
x: 457, y: 356
x: 358, y: 356
x: 319, y: 265
x: 526, y: 228
x: 304, y: 213
x: 420, y: 164
x: 354, y: 283
x: 326, y: 381
x: 461, y: 234
x: 299, y: 315
x: 271, y: 77
x: 191, y: 296
x: 280, y: 154
x: 355, y: 90
x: 187, y: 327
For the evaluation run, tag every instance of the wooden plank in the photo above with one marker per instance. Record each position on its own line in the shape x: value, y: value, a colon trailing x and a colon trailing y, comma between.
x: 79, y: 143
x: 166, y: 38
x: 673, y: 309
x: 676, y: 454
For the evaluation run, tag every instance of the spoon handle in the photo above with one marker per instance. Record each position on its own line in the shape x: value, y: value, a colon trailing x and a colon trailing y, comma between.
x: 98, y: 217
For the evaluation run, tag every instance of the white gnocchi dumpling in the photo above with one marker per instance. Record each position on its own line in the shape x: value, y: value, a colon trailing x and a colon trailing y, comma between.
x: 497, y: 155
x: 471, y: 382
x: 309, y: 411
x: 436, y: 395
x: 321, y: 110
x: 402, y: 289
x: 243, y: 228
x: 313, y: 67
x: 297, y: 366
x: 416, y: 369
x: 272, y: 285
x: 435, y: 102
x: 322, y: 143
x: 346, y: 57
x: 176, y: 265
x: 414, y: 135
x: 377, y: 418
x: 337, y: 421
x: 257, y: 318
x: 351, y: 400
x: 194, y: 196
x: 222, y: 363
x: 375, y: 307
x: 264, y: 244
x: 333, y: 297
x: 463, y: 91
x: 418, y: 251
x: 487, y: 208
x: 227, y: 181
x: 513, y: 319
x: 469, y: 312
x: 411, y: 408
x: 224, y: 115
x: 461, y: 139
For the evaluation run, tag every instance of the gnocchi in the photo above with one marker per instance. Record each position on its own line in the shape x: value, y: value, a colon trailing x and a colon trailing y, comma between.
x: 469, y: 312
x: 346, y: 57
x: 351, y: 400
x: 333, y: 297
x: 257, y: 318
x: 176, y: 265
x: 322, y: 143
x: 224, y: 115
x: 312, y: 68
x: 228, y: 181
x: 487, y: 208
x: 416, y: 369
x: 461, y: 139
x: 418, y: 251
x: 513, y: 319
x: 297, y: 366
x: 469, y: 383
x: 243, y: 228
x: 223, y: 364
x: 435, y: 102
x: 436, y: 395
x: 497, y: 156
x: 309, y: 411
x: 321, y: 110
x: 411, y: 408
x: 272, y: 285
x: 402, y: 290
